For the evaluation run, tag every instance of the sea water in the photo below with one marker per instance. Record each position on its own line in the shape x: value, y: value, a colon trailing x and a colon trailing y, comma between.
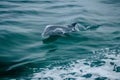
x: 93, y: 54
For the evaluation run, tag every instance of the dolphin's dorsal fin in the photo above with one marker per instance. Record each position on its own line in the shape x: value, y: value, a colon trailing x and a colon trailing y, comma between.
x: 72, y: 25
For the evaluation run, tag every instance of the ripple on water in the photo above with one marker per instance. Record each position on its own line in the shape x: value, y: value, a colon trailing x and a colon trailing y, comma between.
x: 21, y: 48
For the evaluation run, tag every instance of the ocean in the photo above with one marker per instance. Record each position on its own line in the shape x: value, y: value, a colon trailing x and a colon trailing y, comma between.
x: 92, y: 54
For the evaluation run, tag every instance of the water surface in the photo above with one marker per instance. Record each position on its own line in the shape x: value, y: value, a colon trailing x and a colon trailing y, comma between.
x: 91, y: 54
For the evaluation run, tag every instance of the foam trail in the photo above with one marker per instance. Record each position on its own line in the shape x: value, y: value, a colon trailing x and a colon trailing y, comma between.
x: 83, y: 69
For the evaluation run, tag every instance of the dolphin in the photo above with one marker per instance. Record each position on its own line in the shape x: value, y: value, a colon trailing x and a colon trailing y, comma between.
x: 59, y: 30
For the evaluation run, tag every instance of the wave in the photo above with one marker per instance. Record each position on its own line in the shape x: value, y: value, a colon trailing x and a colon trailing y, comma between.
x: 103, y: 64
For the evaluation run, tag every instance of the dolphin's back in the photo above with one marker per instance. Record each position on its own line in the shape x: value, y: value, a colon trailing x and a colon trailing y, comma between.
x: 54, y: 30
x: 51, y: 30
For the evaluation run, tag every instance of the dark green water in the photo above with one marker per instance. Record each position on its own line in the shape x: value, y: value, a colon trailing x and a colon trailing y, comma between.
x: 93, y: 54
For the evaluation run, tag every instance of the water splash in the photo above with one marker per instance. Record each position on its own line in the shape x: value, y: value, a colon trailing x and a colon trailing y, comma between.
x: 104, y: 65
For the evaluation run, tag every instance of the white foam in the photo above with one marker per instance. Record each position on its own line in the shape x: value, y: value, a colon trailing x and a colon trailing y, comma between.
x: 77, y: 69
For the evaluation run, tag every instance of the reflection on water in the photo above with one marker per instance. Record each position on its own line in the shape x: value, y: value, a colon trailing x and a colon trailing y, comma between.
x: 51, y: 39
